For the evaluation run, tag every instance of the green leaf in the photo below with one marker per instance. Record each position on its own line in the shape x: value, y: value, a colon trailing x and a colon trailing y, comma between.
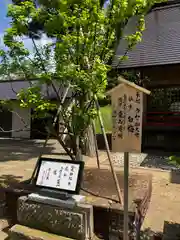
x: 79, y: 39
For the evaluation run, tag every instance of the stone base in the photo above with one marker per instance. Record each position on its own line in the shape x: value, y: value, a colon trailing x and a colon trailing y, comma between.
x: 19, y: 232
x: 3, y: 236
x: 76, y: 222
x: 98, y: 187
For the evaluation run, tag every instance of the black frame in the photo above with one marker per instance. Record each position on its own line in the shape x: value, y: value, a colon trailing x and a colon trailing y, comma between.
x: 79, y: 179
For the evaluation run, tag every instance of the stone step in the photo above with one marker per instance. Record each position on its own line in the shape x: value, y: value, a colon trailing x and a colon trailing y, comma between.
x: 5, y: 223
x: 19, y: 232
x: 74, y: 222
x: 3, y: 236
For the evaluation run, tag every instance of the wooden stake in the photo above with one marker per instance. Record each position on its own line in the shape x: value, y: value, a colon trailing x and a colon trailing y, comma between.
x: 96, y: 146
x: 108, y: 152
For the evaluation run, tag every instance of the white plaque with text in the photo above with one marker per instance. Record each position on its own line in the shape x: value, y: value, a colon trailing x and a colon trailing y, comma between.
x: 62, y: 175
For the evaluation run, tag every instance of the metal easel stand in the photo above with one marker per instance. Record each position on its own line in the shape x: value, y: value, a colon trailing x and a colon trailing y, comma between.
x: 108, y: 151
x: 45, y: 143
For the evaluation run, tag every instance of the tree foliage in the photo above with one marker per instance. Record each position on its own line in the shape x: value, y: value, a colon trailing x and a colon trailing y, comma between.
x: 84, y: 37
x: 131, y: 75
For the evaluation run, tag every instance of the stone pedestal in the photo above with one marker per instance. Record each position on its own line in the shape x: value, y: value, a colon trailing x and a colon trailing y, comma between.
x: 76, y: 222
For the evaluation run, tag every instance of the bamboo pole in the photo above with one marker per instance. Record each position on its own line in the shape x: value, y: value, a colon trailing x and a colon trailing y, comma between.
x: 96, y: 145
x: 108, y: 152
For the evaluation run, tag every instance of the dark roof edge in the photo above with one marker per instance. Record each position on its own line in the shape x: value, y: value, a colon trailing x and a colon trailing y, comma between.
x: 18, y: 80
x: 23, y: 80
x: 166, y: 3
x: 146, y: 66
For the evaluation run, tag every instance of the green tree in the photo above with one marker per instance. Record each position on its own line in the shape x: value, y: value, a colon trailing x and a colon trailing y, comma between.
x: 85, y: 35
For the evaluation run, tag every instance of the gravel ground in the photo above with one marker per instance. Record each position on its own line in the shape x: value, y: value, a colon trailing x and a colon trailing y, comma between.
x: 144, y: 160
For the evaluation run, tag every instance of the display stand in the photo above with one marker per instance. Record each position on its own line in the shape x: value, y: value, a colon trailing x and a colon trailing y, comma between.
x: 56, y: 203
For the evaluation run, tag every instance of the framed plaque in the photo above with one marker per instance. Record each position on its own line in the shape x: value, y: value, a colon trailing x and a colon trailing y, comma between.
x: 57, y: 174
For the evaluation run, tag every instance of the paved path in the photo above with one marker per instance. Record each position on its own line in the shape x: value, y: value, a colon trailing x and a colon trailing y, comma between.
x: 165, y: 199
x: 151, y: 160
x: 18, y: 158
x: 28, y: 149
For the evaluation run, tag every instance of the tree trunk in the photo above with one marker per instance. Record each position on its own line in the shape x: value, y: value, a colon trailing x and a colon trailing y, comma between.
x: 89, y: 148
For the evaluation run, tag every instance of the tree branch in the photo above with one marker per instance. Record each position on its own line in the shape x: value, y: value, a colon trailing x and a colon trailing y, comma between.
x: 43, y: 67
x: 14, y: 130
x: 65, y: 148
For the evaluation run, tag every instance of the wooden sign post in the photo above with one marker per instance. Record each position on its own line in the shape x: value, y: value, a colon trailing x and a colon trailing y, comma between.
x: 127, y: 115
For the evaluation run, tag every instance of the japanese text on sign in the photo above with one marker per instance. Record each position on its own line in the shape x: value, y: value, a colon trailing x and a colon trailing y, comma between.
x: 133, y: 115
x: 119, y: 117
x: 58, y: 175
x: 127, y: 120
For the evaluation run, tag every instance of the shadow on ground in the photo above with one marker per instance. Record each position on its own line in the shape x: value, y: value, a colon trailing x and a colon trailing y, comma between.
x: 148, y: 234
x: 9, y: 179
x: 158, y: 160
x: 162, y: 162
x: 171, y: 231
x: 13, y: 150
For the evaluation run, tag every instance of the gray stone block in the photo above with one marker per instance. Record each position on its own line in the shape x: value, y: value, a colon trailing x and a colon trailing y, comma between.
x: 18, y: 232
x: 76, y: 222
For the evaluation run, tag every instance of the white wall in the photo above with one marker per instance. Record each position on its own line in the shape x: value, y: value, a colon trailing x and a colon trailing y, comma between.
x: 8, y: 89
x: 20, y: 118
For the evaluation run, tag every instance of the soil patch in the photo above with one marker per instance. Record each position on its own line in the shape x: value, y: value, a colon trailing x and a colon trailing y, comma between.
x: 100, y: 184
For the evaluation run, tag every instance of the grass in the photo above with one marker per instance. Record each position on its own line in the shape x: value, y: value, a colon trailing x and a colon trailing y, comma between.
x: 107, y: 120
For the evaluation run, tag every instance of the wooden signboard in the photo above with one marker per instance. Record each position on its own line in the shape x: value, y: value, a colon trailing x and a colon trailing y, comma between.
x: 127, y: 114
